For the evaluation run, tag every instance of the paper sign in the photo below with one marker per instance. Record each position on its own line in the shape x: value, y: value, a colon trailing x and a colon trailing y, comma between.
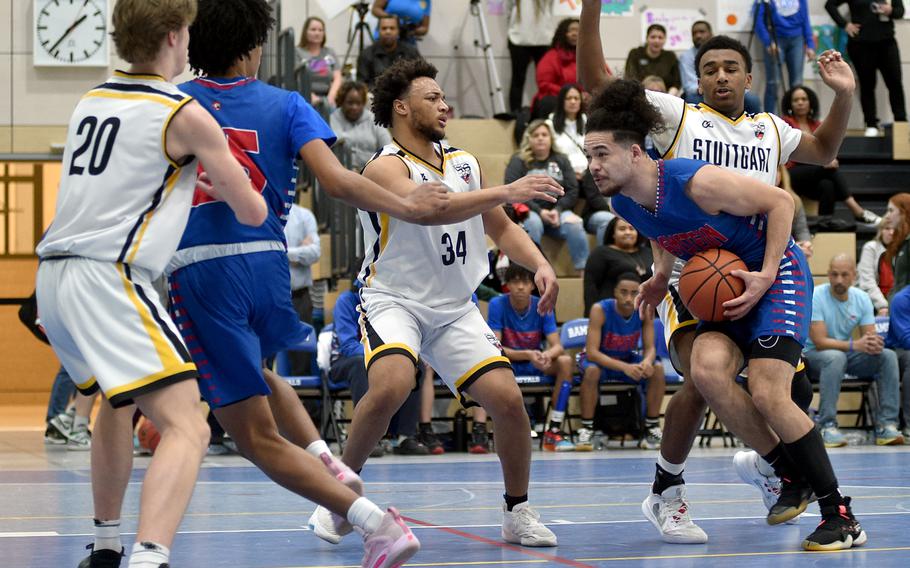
x: 678, y: 23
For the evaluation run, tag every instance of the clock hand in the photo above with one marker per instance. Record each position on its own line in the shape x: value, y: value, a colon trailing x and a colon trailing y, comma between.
x: 67, y: 32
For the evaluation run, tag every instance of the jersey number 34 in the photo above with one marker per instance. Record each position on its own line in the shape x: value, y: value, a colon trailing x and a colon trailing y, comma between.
x: 456, y: 251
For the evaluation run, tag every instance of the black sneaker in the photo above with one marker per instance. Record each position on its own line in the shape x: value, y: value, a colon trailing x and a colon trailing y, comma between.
x: 53, y: 436
x: 795, y: 496
x: 839, y: 530
x: 103, y: 558
x: 432, y: 443
x: 480, y: 440
x: 411, y: 447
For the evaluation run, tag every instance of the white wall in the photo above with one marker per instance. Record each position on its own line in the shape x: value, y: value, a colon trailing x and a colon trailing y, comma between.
x: 35, y: 103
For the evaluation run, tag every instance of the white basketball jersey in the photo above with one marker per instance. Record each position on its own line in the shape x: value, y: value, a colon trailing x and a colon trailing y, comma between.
x: 434, y: 265
x: 122, y: 199
x: 752, y: 145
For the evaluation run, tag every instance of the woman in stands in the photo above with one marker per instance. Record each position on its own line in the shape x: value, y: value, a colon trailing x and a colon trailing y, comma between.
x: 824, y: 184
x: 875, y: 276
x: 624, y: 250
x: 354, y: 126
x: 556, y: 68
x: 322, y: 63
x: 538, y: 156
x: 898, y: 251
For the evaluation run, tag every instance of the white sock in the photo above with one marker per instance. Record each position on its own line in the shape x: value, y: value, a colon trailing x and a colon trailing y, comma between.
x: 80, y: 422
x: 148, y: 555
x: 318, y: 448
x: 765, y: 468
x: 671, y: 468
x: 107, y: 535
x: 365, y: 515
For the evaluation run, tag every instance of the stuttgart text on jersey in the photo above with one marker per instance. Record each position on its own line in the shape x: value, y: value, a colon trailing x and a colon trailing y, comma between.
x: 736, y: 156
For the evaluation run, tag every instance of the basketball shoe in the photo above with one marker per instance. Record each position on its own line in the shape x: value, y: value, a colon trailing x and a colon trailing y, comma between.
x: 839, y: 530
x: 522, y: 526
x: 325, y: 524
x: 795, y: 496
x: 103, y: 558
x: 390, y: 544
x: 669, y: 513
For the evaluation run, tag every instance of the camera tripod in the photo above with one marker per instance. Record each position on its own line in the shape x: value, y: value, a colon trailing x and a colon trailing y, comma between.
x: 358, y: 31
x: 493, y: 83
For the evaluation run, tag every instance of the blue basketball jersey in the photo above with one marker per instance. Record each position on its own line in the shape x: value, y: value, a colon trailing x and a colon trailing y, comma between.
x: 619, y: 337
x: 267, y: 128
x: 520, y: 331
x: 682, y: 228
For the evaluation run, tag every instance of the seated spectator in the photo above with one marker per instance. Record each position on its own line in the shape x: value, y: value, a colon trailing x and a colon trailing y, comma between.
x: 875, y: 275
x: 536, y: 156
x: 355, y: 125
x: 899, y: 339
x: 414, y: 16
x: 897, y: 254
x: 347, y: 364
x: 568, y: 122
x: 321, y: 62
x: 623, y: 250
x: 653, y: 59
x: 597, y: 213
x: 611, y: 353
x: 523, y: 332
x: 837, y: 310
x: 701, y: 32
x: 302, y: 236
x: 824, y: 184
x: 556, y: 68
x: 376, y: 58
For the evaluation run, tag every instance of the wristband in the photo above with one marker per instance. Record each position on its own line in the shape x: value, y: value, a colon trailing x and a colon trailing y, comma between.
x: 851, y: 346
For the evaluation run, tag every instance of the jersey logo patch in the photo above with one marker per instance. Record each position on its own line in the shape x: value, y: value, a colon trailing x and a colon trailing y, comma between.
x: 216, y: 105
x: 707, y: 124
x: 464, y: 170
x: 423, y: 177
x: 492, y: 339
x: 759, y: 130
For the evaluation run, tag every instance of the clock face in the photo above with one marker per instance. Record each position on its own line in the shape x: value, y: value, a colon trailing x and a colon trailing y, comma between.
x: 71, y: 32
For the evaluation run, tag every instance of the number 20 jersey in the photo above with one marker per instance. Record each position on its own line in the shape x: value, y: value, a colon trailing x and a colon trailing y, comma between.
x: 122, y: 199
x: 436, y: 265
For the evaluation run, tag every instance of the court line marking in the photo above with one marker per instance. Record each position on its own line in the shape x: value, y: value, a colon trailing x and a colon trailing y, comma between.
x: 744, y: 554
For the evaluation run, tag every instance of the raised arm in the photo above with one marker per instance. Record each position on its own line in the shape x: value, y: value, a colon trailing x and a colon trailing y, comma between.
x: 592, y: 71
x: 193, y: 132
x: 822, y: 146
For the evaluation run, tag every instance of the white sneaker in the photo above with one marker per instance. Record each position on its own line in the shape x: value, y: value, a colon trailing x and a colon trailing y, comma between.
x: 585, y: 440
x: 871, y: 132
x: 746, y: 465
x: 325, y: 524
x: 669, y: 513
x: 80, y: 440
x: 522, y: 526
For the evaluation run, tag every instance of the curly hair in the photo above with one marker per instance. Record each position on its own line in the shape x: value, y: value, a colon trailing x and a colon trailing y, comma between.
x: 346, y: 88
x: 225, y: 31
x: 786, y: 102
x: 623, y: 109
x: 394, y: 83
x: 722, y: 42
x: 560, y: 36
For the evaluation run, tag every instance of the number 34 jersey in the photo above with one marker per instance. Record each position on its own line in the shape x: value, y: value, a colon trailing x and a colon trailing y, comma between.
x: 121, y: 198
x: 436, y: 265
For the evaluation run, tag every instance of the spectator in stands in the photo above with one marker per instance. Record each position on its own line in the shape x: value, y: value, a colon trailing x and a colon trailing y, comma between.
x: 784, y: 29
x: 623, y: 250
x: 872, y: 47
x: 875, y: 274
x: 702, y: 32
x: 530, y: 23
x: 347, y: 365
x: 652, y: 59
x: 414, y: 16
x: 899, y: 339
x: 537, y: 156
x: 597, y: 213
x: 376, y: 58
x: 523, y: 333
x: 897, y: 253
x: 612, y: 354
x: 556, y: 68
x: 321, y: 62
x: 837, y: 310
x: 302, y: 235
x: 354, y: 124
x: 824, y: 184
x: 568, y: 123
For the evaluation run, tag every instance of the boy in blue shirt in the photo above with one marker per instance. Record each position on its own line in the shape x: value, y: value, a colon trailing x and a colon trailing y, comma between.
x: 898, y: 339
x: 614, y: 333
x: 522, y: 331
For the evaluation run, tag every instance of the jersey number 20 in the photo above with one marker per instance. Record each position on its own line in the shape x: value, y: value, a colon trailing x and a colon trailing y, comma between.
x: 105, y: 134
x: 459, y: 250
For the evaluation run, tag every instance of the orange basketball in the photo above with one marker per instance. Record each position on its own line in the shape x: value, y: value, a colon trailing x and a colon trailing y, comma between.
x: 148, y: 435
x: 706, y: 283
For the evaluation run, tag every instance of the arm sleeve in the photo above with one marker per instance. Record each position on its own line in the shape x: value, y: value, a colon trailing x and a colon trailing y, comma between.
x: 831, y: 8
x: 866, y: 270
x: 346, y: 327
x: 569, y: 184
x: 549, y: 79
x: 494, y: 313
x: 671, y: 109
x: 306, y: 254
x: 306, y: 124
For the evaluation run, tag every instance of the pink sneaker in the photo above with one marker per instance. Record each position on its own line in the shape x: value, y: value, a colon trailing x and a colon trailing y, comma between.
x: 391, y: 544
x: 325, y: 524
x: 342, y: 472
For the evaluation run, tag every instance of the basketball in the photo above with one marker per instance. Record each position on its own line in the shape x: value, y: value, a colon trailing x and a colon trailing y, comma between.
x: 148, y: 435
x: 706, y: 283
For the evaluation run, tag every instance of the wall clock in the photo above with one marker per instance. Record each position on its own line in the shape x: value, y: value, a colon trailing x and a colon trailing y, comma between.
x: 71, y: 33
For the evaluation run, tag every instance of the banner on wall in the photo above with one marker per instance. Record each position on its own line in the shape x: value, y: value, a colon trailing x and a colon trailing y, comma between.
x: 734, y: 16
x: 678, y: 23
x: 572, y: 8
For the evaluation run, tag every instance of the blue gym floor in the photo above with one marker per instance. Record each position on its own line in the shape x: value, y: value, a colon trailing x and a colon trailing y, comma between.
x: 238, y: 518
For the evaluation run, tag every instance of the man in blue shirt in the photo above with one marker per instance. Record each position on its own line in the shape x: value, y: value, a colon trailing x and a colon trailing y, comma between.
x: 784, y: 29
x: 899, y: 339
x: 522, y: 331
x: 302, y: 234
x: 837, y: 309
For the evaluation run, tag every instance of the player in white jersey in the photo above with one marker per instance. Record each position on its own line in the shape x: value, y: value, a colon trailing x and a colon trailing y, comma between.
x: 128, y: 177
x: 419, y: 281
x: 717, y: 131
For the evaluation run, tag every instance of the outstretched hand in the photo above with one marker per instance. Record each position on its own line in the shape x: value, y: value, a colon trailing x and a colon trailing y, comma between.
x: 545, y: 279
x: 536, y: 186
x: 835, y: 72
x: 757, y: 284
x: 426, y: 201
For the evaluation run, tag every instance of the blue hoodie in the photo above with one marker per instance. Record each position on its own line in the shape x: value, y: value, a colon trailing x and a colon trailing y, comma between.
x: 790, y: 19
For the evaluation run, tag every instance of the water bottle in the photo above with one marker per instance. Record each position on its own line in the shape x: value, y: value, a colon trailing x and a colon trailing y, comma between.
x: 460, y: 430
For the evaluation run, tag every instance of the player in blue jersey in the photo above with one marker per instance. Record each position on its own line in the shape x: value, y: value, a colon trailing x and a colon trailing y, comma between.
x: 620, y: 347
x: 687, y: 206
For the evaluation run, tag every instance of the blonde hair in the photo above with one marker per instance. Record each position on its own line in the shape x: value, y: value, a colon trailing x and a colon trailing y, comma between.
x: 141, y: 25
x: 524, y: 150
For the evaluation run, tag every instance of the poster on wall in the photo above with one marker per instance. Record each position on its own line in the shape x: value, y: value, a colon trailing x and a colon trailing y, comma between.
x: 678, y: 23
x: 734, y: 16
x: 827, y: 36
x: 608, y: 8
